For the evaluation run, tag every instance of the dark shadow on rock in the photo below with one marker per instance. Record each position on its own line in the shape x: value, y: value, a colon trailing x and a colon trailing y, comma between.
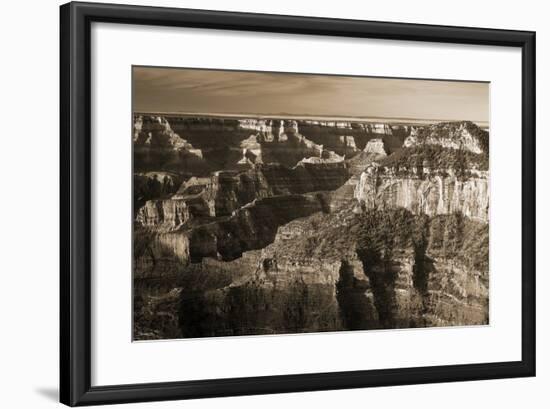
x: 356, y: 310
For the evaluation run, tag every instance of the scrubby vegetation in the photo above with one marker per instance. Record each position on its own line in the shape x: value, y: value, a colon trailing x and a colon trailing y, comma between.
x: 447, y: 129
x: 379, y: 239
x: 436, y: 157
x: 381, y: 233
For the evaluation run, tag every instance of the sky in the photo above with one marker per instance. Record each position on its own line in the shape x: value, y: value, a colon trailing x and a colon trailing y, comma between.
x: 264, y: 93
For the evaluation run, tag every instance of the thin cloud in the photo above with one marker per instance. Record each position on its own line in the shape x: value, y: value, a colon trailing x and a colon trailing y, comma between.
x: 234, y: 92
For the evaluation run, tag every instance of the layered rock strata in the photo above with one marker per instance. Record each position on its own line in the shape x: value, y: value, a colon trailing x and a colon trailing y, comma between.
x: 455, y: 135
x: 227, y: 191
x: 344, y: 277
x: 309, y: 226
x: 429, y: 192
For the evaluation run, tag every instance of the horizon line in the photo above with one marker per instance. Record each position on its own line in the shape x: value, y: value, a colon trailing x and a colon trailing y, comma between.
x: 283, y: 115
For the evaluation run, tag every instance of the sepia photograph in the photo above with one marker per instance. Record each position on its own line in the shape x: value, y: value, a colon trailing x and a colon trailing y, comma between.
x: 283, y: 203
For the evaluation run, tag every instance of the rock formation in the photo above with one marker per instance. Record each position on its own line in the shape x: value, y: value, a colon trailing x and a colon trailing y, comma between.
x: 454, y: 135
x: 375, y: 147
x: 416, y: 180
x: 337, y: 279
x: 169, y: 213
x: 226, y: 191
x: 345, y: 195
x: 348, y: 142
x: 155, y: 132
x: 252, y: 151
x: 293, y: 225
x: 430, y: 192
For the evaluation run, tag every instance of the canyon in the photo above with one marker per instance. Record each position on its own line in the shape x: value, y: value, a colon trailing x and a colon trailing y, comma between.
x: 248, y: 226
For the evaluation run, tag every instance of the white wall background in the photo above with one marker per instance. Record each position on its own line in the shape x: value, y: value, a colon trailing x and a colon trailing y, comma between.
x: 29, y: 203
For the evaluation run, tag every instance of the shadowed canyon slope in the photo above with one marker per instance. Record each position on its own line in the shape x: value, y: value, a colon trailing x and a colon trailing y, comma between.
x: 265, y: 226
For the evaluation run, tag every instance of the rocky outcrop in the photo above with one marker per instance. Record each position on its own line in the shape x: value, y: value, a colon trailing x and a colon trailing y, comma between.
x: 345, y: 195
x: 213, y: 143
x: 442, y: 169
x: 454, y: 135
x: 159, y: 255
x: 157, y: 147
x: 252, y: 226
x: 252, y: 151
x: 348, y: 142
x: 153, y: 185
x: 326, y: 157
x: 429, y: 192
x: 345, y: 275
x: 155, y: 132
x: 226, y: 191
x: 350, y: 138
x: 376, y: 147
x: 380, y: 129
x: 305, y: 177
x: 286, y: 226
x: 222, y: 193
x: 234, y: 190
x: 168, y: 214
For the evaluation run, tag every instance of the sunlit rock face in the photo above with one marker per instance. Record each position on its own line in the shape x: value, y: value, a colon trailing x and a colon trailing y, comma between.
x: 376, y: 147
x: 345, y: 195
x: 286, y: 226
x: 252, y: 226
x: 252, y: 151
x: 381, y: 129
x: 348, y: 142
x: 226, y: 191
x: 454, y: 135
x: 430, y: 193
x: 325, y: 157
x: 347, y: 138
x: 155, y: 132
x: 169, y: 213
x: 442, y: 169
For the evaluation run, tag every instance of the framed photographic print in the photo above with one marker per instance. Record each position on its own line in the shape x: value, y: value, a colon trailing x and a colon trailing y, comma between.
x: 261, y: 204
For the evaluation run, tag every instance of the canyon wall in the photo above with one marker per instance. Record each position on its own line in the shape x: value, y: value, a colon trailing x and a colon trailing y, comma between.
x: 455, y: 135
x: 170, y: 213
x: 225, y: 192
x: 441, y: 169
x: 431, y: 192
x: 309, y: 280
x: 286, y: 226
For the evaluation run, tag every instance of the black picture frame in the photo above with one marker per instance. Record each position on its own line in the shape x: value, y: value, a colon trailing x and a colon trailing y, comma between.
x: 75, y: 203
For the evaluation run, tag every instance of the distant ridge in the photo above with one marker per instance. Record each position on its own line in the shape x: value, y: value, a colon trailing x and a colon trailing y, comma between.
x: 284, y: 115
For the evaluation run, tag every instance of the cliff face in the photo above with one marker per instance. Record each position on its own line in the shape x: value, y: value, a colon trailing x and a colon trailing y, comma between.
x: 251, y: 227
x: 158, y: 147
x: 226, y: 191
x: 164, y: 252
x: 347, y: 138
x: 346, y: 276
x: 285, y: 226
x: 442, y: 169
x: 159, y: 255
x: 344, y: 196
x: 153, y: 185
x: 455, y: 135
x: 442, y: 192
x: 210, y: 144
x: 170, y: 213
x: 155, y: 132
